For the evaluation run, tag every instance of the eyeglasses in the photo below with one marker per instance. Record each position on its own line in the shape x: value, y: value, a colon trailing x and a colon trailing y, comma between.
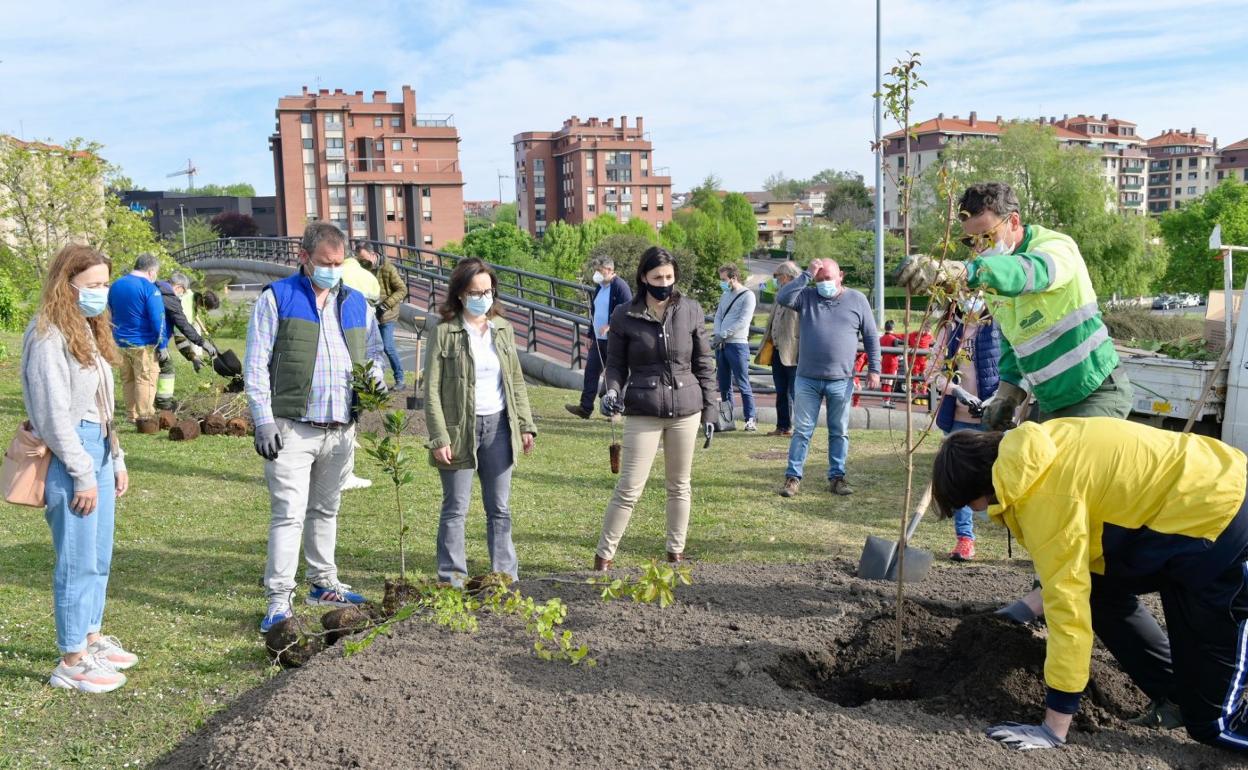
x: 479, y: 294
x: 981, y: 241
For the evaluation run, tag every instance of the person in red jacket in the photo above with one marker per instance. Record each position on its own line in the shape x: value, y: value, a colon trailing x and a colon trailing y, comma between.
x: 920, y: 340
x: 889, y: 361
x: 860, y: 363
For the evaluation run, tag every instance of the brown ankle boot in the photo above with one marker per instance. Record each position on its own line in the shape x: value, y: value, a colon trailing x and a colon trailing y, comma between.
x: 673, y: 558
x: 601, y: 564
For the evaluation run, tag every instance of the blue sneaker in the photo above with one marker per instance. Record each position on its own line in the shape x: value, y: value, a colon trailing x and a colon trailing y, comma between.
x: 336, y: 595
x: 277, y: 612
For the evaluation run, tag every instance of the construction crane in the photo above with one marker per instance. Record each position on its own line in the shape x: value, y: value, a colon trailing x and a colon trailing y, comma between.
x: 189, y: 172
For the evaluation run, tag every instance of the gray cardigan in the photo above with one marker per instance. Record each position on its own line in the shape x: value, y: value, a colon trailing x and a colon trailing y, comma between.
x: 59, y: 392
x: 733, y: 325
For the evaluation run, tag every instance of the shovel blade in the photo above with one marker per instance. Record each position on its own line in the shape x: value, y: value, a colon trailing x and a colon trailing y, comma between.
x: 879, y: 561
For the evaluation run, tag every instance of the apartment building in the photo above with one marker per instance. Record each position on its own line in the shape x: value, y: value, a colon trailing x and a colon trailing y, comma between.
x: 587, y: 169
x: 1180, y: 168
x: 377, y: 169
x: 1122, y: 160
x: 1233, y: 162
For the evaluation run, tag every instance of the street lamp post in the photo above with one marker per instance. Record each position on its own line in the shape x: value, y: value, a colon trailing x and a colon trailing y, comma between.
x: 879, y: 183
x: 182, y: 216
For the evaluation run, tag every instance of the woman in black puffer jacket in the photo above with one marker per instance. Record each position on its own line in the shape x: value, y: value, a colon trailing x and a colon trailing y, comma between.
x: 659, y: 357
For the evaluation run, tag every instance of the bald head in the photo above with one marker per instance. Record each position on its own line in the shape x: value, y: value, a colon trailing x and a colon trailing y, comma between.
x: 827, y: 270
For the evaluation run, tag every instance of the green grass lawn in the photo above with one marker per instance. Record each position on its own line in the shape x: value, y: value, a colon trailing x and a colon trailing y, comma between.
x: 190, y: 552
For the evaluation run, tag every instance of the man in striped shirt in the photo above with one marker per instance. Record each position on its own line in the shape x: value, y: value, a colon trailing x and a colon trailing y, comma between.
x: 307, y: 331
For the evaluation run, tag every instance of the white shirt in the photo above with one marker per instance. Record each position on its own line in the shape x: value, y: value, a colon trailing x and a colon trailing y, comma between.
x: 489, y: 372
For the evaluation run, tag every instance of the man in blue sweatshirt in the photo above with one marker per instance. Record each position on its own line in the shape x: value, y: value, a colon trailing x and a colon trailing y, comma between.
x: 730, y: 339
x: 138, y: 315
x: 831, y: 318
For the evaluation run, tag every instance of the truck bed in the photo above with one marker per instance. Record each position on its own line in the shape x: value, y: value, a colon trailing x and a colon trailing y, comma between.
x: 1171, y: 387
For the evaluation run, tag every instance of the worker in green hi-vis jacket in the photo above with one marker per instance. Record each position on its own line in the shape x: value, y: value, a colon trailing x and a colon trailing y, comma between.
x: 1053, y: 341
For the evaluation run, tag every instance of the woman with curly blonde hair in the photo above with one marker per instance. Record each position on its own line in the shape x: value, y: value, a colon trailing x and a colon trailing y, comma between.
x: 67, y: 386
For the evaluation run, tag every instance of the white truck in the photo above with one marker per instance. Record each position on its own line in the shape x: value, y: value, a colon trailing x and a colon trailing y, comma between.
x: 1169, y: 392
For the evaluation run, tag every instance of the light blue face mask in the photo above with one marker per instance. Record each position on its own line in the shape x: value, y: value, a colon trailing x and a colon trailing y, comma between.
x: 479, y: 305
x: 92, y: 302
x: 826, y: 289
x: 326, y: 277
x: 724, y: 285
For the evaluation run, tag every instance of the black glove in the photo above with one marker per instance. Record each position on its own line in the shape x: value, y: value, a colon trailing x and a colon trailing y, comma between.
x: 162, y: 355
x: 611, y: 403
x: 709, y: 430
x: 999, y: 410
x: 268, y: 441
x: 197, y: 363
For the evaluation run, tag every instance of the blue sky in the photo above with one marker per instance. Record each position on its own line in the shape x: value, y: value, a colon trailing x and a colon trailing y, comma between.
x: 735, y: 87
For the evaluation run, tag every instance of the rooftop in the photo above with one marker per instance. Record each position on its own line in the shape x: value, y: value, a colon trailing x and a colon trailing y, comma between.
x: 1173, y: 136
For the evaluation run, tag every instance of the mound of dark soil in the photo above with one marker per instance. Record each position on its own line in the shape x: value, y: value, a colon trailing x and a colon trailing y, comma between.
x: 976, y: 664
x: 375, y: 422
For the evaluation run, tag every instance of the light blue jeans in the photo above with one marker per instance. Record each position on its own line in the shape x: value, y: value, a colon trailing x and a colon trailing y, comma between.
x: 494, y: 464
x: 83, y: 544
x: 964, y: 518
x: 808, y: 396
x: 392, y: 351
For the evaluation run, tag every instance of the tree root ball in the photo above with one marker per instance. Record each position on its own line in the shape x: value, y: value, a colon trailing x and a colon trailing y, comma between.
x: 288, y: 646
x: 187, y: 430
x: 167, y: 419
x: 237, y: 426
x: 147, y: 425
x: 344, y: 621
x: 476, y: 585
x: 213, y: 425
x: 398, y: 594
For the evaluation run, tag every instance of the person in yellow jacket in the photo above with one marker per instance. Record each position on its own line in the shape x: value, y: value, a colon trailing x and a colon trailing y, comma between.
x: 1109, y: 510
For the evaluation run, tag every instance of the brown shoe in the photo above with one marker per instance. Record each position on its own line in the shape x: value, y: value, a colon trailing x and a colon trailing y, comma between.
x: 577, y: 410
x: 791, y: 485
x: 601, y: 564
x: 778, y: 432
x: 674, y: 558
x: 839, y: 486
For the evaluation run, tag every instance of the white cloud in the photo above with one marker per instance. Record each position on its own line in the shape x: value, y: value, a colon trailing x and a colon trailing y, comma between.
x: 735, y: 87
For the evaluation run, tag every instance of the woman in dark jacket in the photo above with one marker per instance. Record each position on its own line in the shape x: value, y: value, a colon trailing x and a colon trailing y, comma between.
x: 659, y: 356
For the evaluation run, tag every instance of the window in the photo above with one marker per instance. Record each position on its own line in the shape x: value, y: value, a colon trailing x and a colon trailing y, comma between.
x: 1178, y: 191
x: 307, y: 144
x: 415, y: 146
x: 396, y: 122
x: 396, y: 167
x: 428, y: 239
x: 357, y: 196
x: 1191, y: 162
x: 426, y: 192
x: 377, y: 123
x: 1191, y: 191
x: 1191, y: 175
x: 379, y: 146
x: 396, y: 145
x: 305, y: 117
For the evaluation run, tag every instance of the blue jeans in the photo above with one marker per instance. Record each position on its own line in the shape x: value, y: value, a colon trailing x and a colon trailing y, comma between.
x: 595, y: 357
x: 494, y: 464
x: 83, y: 544
x: 808, y: 396
x: 392, y: 351
x: 783, y: 377
x: 964, y: 518
x: 732, y: 364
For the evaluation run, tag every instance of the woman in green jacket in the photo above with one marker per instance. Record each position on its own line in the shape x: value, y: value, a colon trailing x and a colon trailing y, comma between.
x: 477, y: 414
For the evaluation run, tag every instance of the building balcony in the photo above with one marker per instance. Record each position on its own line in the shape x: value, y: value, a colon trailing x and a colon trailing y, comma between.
x: 335, y: 153
x: 1131, y: 185
x: 336, y: 178
x: 434, y: 120
x: 1132, y: 168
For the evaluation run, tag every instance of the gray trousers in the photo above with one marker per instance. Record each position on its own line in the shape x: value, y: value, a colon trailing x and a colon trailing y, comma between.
x: 305, y: 490
x: 494, y: 464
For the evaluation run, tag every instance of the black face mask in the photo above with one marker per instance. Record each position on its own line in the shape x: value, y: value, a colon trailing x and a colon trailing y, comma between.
x: 659, y: 292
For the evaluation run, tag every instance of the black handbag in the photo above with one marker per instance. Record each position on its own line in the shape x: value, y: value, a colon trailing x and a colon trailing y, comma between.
x: 727, y: 420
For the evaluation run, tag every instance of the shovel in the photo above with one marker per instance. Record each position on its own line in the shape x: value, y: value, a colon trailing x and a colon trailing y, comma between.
x: 879, y: 556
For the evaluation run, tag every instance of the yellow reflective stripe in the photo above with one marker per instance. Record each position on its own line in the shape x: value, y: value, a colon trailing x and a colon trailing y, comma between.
x: 1072, y: 319
x: 1070, y: 358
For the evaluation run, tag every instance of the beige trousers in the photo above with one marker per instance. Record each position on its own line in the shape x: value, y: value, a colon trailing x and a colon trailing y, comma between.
x: 641, y: 443
x: 139, y: 372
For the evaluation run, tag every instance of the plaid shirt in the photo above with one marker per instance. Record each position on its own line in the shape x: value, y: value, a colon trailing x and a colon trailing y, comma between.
x: 330, y: 397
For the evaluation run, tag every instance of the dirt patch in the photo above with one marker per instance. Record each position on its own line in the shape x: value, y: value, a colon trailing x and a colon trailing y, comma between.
x: 374, y: 422
x: 770, y: 454
x: 686, y: 686
x: 953, y: 664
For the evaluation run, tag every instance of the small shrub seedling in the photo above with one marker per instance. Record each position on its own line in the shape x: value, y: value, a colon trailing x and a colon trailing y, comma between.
x: 656, y: 584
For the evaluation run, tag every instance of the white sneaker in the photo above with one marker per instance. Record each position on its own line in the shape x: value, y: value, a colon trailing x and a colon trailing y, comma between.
x: 90, y: 674
x: 110, y: 649
x: 751, y: 425
x: 355, y: 482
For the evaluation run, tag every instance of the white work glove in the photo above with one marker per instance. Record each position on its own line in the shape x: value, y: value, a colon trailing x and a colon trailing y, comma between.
x: 1025, y: 737
x: 920, y: 273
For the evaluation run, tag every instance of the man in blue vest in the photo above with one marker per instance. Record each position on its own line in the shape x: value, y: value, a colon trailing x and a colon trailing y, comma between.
x: 307, y: 331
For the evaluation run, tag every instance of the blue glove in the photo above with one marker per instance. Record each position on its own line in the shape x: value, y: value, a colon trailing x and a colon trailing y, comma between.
x: 611, y: 403
x: 268, y: 441
x: 1025, y: 737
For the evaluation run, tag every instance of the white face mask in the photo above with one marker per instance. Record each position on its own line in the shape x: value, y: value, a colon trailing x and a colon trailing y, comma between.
x: 999, y: 247
x: 598, y: 277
